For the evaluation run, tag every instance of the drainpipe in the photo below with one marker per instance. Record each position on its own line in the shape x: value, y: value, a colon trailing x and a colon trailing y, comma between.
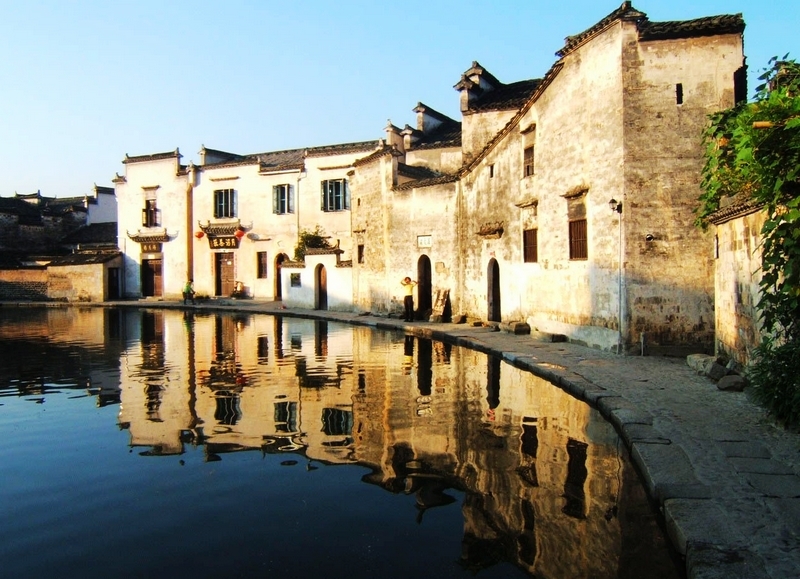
x: 301, y: 175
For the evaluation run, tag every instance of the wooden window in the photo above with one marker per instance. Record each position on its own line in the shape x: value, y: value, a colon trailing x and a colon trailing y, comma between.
x: 261, y: 264
x: 578, y: 241
x: 335, y: 195
x: 527, y: 161
x: 224, y: 203
x: 282, y: 199
x: 530, y: 245
x: 151, y: 216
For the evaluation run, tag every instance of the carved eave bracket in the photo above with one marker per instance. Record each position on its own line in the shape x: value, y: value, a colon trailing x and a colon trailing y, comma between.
x: 493, y: 230
x: 151, y: 236
x: 217, y: 228
x: 577, y: 191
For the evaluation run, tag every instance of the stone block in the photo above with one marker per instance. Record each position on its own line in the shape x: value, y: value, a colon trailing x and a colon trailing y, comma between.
x: 547, y: 337
x: 732, y: 383
x: 517, y: 328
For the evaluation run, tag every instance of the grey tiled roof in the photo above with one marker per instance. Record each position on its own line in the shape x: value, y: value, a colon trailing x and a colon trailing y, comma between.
x: 506, y: 96
x: 427, y: 182
x: 153, y: 157
x: 707, y: 26
x: 96, y: 233
x: 448, y: 134
x: 86, y: 258
x: 290, y: 158
x: 416, y: 172
x: 737, y: 208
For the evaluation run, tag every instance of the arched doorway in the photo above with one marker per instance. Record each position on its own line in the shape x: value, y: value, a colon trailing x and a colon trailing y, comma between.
x: 424, y: 288
x: 320, y: 288
x: 278, y: 292
x: 493, y: 276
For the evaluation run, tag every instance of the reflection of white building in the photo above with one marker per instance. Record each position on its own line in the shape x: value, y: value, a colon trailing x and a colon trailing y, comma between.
x: 231, y: 218
x: 540, y: 469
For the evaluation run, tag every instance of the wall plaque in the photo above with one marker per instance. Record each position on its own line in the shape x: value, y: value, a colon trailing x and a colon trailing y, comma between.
x: 151, y: 247
x: 223, y: 242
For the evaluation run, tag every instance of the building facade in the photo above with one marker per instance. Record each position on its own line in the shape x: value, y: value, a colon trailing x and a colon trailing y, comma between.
x: 572, y: 208
x: 231, y: 221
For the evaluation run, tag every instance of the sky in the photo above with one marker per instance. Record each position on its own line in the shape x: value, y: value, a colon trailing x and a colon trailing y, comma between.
x: 85, y: 82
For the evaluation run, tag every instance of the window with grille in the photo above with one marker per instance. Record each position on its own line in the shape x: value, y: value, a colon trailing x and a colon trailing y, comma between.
x: 224, y: 203
x: 151, y: 217
x: 282, y: 199
x: 578, y: 241
x: 335, y: 195
x: 527, y: 161
x: 530, y: 245
x: 261, y: 264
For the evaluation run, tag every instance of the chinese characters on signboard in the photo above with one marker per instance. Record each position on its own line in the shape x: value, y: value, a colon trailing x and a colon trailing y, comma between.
x: 223, y: 242
x: 151, y: 248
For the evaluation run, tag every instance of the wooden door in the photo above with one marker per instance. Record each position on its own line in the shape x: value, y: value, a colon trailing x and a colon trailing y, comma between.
x: 151, y: 278
x: 223, y: 273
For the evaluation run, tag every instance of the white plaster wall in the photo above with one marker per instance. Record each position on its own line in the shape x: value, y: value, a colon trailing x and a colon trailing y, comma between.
x: 104, y: 210
x: 171, y: 198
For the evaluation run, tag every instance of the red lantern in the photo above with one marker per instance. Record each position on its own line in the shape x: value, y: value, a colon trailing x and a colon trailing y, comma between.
x: 199, y: 235
x: 239, y: 233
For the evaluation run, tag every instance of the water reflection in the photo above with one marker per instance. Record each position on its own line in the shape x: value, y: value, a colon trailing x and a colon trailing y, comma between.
x: 543, y: 483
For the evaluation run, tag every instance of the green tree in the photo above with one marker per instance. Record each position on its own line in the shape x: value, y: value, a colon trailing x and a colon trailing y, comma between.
x: 753, y: 155
x: 309, y: 239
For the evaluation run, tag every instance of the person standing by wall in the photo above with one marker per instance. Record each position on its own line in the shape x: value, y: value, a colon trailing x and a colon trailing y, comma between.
x: 188, y: 291
x: 408, y: 300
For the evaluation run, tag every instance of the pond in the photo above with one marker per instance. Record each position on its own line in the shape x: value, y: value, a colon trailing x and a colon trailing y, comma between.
x: 161, y: 443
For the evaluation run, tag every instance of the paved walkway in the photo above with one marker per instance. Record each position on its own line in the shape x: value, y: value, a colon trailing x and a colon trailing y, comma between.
x: 727, y: 479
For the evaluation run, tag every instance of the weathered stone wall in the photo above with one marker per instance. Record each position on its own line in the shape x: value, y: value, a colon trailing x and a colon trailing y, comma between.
x: 442, y: 160
x: 738, y: 273
x: 80, y: 283
x: 477, y: 129
x: 668, y: 262
x: 29, y: 284
x: 578, y: 145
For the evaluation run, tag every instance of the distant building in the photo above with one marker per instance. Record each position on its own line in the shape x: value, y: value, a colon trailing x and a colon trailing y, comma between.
x: 231, y: 221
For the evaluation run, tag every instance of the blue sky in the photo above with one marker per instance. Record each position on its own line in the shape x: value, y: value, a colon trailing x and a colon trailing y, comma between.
x: 82, y: 83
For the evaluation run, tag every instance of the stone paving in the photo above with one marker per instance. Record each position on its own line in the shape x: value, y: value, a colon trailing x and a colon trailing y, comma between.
x: 727, y: 479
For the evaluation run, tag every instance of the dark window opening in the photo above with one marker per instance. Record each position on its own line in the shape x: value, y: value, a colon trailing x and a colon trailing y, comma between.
x: 491, y: 171
x: 261, y: 264
x: 335, y: 195
x: 679, y: 93
x: 224, y: 203
x: 361, y: 253
x: 530, y: 245
x: 282, y: 199
x: 528, y: 161
x: 151, y: 216
x: 578, y: 242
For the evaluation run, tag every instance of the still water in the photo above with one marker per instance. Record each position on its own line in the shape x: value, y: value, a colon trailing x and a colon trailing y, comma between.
x: 149, y: 443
